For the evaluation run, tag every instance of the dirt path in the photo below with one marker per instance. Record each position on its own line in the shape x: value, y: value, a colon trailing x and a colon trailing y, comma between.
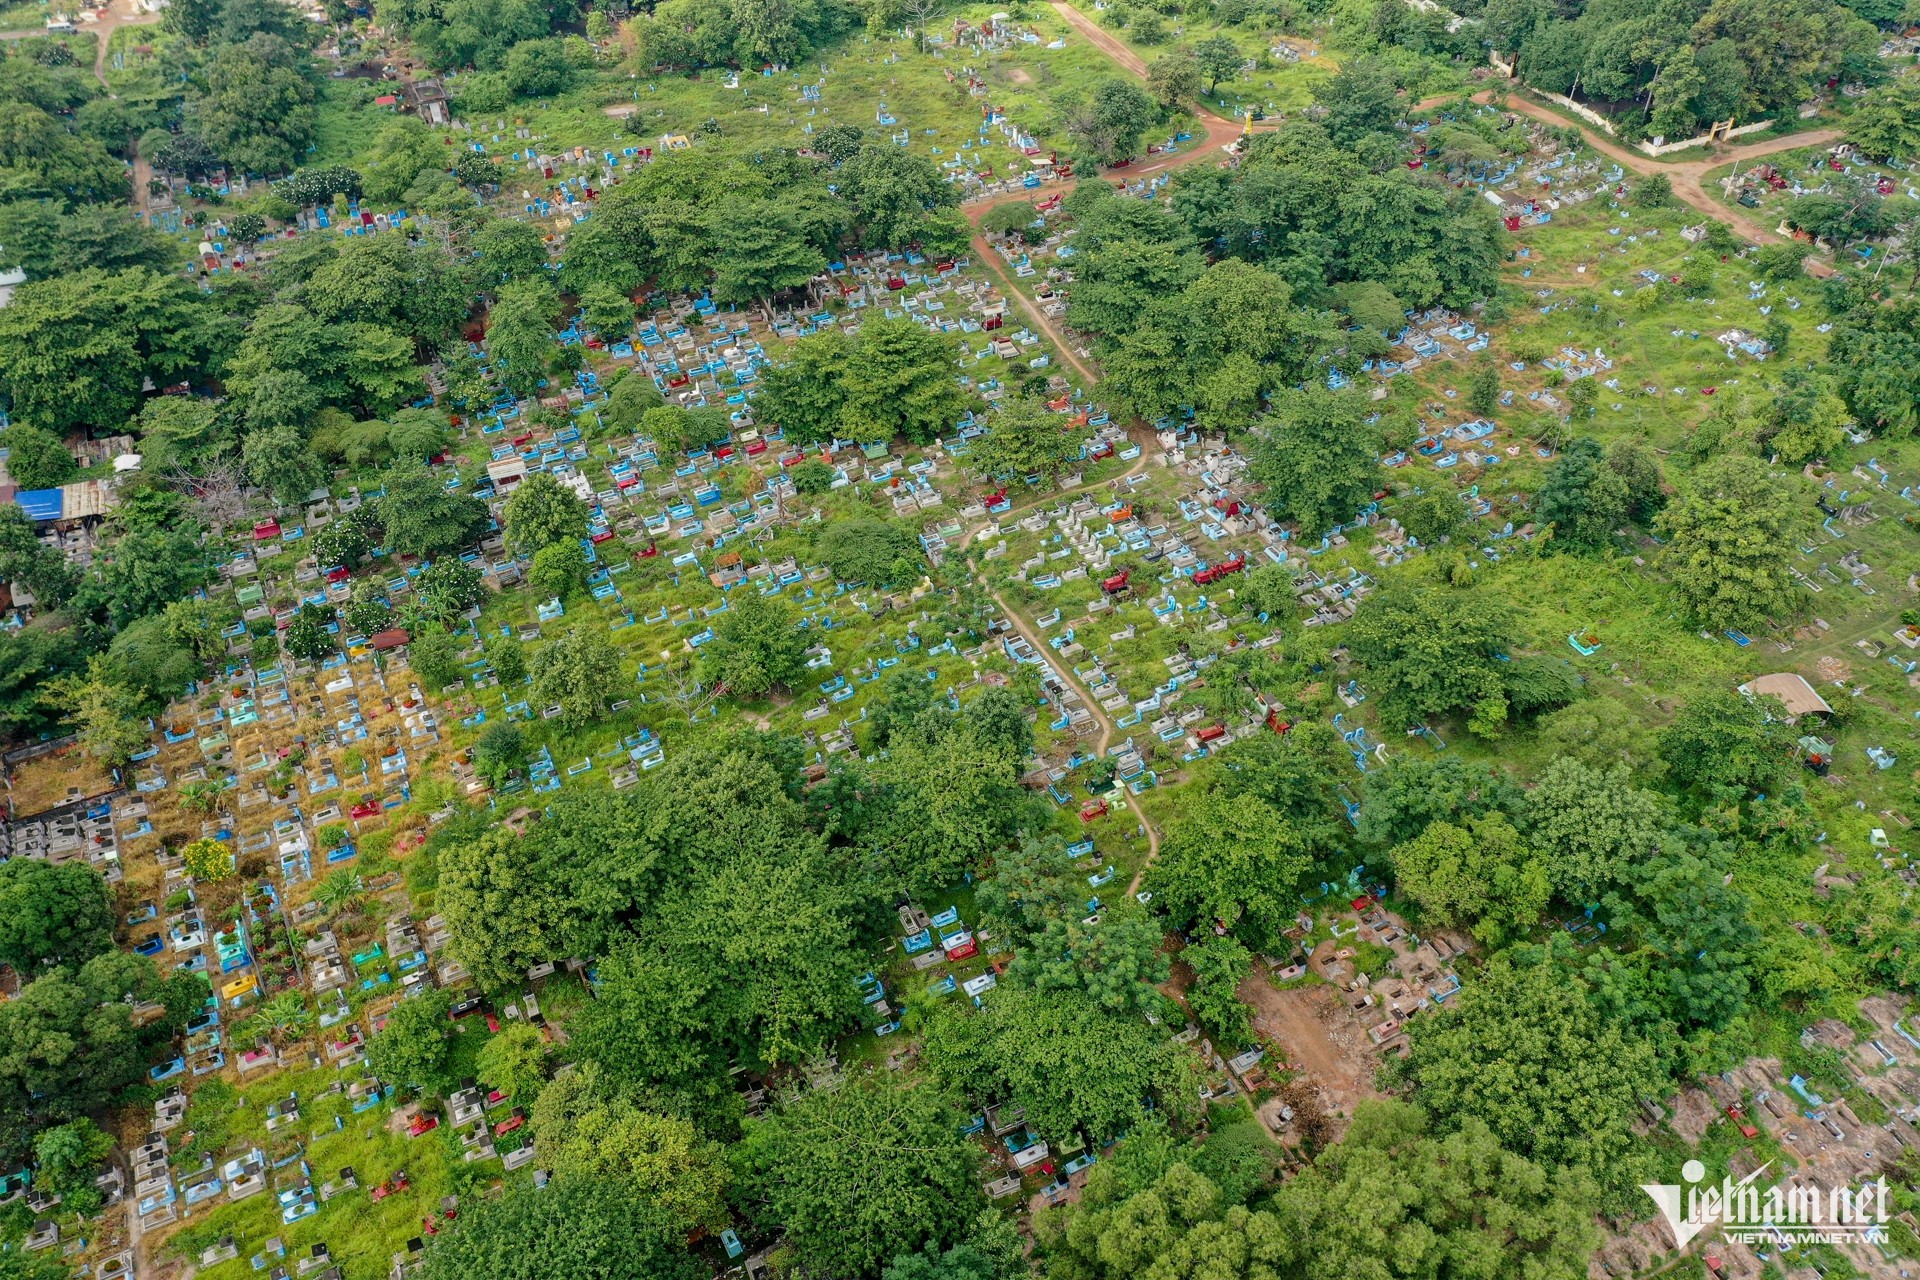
x: 989, y: 258
x: 119, y: 14
x: 1218, y: 132
x: 1318, y: 1035
x: 1107, y: 729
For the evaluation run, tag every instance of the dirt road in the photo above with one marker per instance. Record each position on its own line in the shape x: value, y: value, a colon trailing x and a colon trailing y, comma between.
x: 1687, y: 175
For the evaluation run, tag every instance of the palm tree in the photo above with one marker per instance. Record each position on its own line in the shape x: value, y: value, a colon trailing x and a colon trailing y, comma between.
x: 200, y: 797
x: 340, y: 890
x: 286, y: 1014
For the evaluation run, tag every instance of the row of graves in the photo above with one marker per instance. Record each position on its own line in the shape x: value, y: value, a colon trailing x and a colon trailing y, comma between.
x: 295, y: 747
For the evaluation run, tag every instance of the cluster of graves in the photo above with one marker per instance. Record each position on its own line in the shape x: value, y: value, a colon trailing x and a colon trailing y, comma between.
x: 1829, y: 1143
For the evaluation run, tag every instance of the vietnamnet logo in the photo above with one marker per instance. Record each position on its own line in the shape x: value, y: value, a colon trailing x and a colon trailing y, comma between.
x: 1753, y: 1214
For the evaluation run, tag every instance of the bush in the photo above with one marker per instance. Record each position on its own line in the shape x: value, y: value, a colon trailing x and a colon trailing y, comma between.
x: 1779, y: 262
x: 813, y: 476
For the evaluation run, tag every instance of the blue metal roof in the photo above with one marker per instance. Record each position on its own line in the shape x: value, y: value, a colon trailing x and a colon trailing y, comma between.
x: 39, y: 504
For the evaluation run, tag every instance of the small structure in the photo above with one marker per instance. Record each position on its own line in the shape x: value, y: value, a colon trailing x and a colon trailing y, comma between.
x: 428, y: 98
x: 1793, y: 691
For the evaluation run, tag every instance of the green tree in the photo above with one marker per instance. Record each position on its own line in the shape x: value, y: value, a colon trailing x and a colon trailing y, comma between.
x: 1461, y: 1195
x: 345, y: 541
x: 631, y: 399
x: 505, y: 901
x: 1583, y: 498
x: 1886, y: 123
x: 945, y: 800
x: 760, y: 249
x: 1361, y: 98
x: 756, y: 647
x: 65, y: 1160
x: 142, y: 573
x: 1723, y: 739
x: 606, y: 311
x: 1319, y: 460
x: 520, y: 334
x: 1110, y: 124
x: 1074, y: 1067
x: 1431, y: 653
x: 1591, y: 826
x: 1229, y: 860
x: 899, y: 381
x: 542, y: 511
x: 68, y: 1044
x: 893, y: 193
x: 500, y: 753
x: 1875, y: 358
x: 435, y: 656
x: 509, y: 660
x: 446, y: 588
x: 306, y: 637
x: 558, y: 570
x: 1220, y: 58
x: 1174, y: 78
x: 1483, y: 387
x: 805, y: 395
x: 401, y: 150
x: 994, y: 1251
x: 24, y: 559
x: 256, y: 109
x: 1435, y: 517
x: 509, y: 249
x: 278, y: 460
x: 37, y: 459
x: 1525, y: 1050
x: 870, y: 551
x: 1219, y: 966
x: 1026, y: 438
x: 1602, y: 732
x: 1480, y: 874
x: 412, y: 1049
x: 52, y: 914
x: 586, y: 1130
x: 515, y: 1061
x: 420, y: 516
x: 812, y: 477
x: 340, y: 890
x: 857, y: 1175
x: 578, y: 672
x: 580, y: 1229
x: 1655, y: 192
x: 76, y: 348
x: 106, y: 710
x: 1413, y: 791
x: 537, y: 69
x: 1112, y: 956
x: 1730, y: 538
